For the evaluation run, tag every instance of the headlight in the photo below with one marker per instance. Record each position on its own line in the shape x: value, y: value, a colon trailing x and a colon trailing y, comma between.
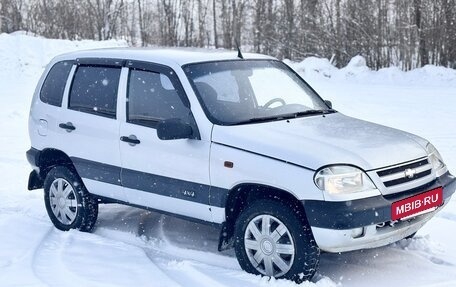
x: 434, y: 157
x: 342, y: 179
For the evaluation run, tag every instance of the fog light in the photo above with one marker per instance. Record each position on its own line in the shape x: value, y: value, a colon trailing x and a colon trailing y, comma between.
x: 357, y: 232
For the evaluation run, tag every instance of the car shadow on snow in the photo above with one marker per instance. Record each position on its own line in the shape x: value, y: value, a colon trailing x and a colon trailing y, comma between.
x: 154, y: 226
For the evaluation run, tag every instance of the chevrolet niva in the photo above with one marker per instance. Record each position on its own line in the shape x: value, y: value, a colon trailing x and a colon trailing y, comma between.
x: 241, y: 142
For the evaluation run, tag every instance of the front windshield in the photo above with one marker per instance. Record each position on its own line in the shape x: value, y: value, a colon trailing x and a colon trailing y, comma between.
x: 245, y: 91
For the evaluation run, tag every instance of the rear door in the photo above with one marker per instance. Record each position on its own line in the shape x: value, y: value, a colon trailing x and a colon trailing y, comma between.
x: 168, y: 175
x: 89, y: 129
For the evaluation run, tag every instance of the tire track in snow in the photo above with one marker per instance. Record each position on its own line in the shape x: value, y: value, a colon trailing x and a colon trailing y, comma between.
x: 36, y: 251
x: 82, y: 259
x: 19, y: 250
x: 190, y: 272
x: 47, y: 261
x: 187, y: 275
x: 175, y: 262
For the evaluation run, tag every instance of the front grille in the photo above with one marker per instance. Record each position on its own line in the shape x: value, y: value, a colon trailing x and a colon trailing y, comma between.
x: 405, y: 173
x: 406, y: 179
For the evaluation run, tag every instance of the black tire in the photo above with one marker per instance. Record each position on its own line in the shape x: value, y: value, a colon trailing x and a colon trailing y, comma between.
x: 86, y: 209
x: 306, y: 251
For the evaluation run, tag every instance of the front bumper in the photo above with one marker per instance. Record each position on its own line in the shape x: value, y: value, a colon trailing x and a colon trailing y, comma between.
x: 358, y: 224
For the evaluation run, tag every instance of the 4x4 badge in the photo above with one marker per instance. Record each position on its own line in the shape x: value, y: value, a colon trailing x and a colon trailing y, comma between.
x: 189, y: 193
x: 410, y: 173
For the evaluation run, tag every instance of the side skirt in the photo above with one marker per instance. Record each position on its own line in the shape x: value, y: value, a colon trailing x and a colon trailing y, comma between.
x: 107, y: 200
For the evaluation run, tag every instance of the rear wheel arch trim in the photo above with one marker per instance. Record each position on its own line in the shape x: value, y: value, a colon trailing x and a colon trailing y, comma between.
x: 51, y: 157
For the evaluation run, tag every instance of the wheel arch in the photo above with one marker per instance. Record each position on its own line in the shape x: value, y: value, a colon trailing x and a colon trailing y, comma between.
x: 239, y: 198
x: 47, y: 159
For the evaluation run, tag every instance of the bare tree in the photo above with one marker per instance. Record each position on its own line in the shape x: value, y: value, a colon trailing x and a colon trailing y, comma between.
x: 386, y: 32
x: 11, y: 15
x: 289, y: 28
x: 424, y: 60
x: 170, y: 16
x: 214, y: 19
x: 187, y: 18
x: 202, y: 13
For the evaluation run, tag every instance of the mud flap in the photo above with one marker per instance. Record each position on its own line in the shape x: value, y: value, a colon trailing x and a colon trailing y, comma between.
x: 35, y: 181
x: 226, y: 240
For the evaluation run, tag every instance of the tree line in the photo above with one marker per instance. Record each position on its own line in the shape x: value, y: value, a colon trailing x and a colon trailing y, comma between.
x: 403, y: 33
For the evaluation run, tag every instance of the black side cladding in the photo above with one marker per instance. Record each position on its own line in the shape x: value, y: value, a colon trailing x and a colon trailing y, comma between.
x: 147, y: 182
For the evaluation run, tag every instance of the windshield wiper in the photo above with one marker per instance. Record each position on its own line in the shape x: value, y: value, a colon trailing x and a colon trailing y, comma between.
x: 285, y: 116
x: 259, y: 120
x: 312, y: 112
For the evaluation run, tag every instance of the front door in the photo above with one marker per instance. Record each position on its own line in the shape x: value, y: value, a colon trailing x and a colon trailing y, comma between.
x: 167, y: 175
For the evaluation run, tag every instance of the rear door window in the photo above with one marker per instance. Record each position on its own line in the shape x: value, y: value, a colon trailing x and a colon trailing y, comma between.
x: 54, y: 85
x: 94, y: 90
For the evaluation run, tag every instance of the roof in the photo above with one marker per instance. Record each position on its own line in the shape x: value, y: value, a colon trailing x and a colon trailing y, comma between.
x: 180, y: 56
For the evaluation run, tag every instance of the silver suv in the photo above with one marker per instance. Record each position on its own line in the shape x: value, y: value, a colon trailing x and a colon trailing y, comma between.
x: 241, y: 142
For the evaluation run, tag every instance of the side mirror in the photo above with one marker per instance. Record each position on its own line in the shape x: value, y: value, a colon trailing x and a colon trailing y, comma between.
x: 173, y: 129
x: 329, y: 104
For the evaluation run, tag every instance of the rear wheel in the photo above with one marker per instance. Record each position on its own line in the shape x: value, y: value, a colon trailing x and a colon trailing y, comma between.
x: 272, y: 240
x: 68, y: 203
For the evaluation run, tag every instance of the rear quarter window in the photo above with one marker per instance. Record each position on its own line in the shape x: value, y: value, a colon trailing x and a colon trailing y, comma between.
x: 54, y: 85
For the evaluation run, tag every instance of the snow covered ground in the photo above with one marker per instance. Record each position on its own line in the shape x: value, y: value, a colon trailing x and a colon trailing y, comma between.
x: 132, y: 247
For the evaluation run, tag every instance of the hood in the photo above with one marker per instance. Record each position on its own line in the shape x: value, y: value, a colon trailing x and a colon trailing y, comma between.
x: 316, y: 141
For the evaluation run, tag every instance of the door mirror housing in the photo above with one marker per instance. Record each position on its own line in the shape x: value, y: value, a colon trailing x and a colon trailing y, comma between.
x: 173, y: 129
x: 329, y: 104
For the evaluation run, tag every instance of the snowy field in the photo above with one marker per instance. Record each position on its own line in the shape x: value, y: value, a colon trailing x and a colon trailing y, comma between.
x: 132, y: 247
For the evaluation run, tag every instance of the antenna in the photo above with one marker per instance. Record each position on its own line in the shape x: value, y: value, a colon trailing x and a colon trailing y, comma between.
x: 239, y: 50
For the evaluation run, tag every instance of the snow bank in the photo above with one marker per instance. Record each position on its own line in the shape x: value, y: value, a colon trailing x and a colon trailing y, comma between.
x: 24, y: 55
x: 317, y: 69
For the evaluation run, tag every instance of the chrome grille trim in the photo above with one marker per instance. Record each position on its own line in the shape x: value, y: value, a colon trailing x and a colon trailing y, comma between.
x: 400, y: 174
x: 404, y: 176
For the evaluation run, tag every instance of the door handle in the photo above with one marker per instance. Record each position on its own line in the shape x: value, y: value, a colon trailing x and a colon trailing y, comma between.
x: 131, y: 140
x: 67, y: 126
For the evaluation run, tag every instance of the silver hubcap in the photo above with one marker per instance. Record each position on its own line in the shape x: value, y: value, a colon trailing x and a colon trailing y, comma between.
x: 63, y: 201
x: 269, y: 245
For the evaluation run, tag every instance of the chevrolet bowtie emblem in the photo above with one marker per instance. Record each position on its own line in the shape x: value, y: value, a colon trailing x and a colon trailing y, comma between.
x: 410, y: 173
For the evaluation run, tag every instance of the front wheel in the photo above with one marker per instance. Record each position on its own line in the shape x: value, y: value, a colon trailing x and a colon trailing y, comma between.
x: 271, y: 239
x: 68, y: 203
